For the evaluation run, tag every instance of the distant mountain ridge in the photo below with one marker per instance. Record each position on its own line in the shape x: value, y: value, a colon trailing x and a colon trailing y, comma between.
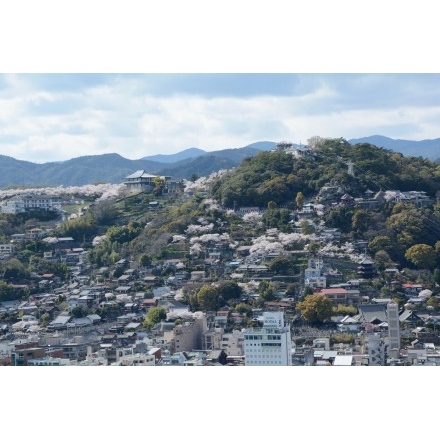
x: 112, y: 168
x: 189, y: 153
x: 428, y: 148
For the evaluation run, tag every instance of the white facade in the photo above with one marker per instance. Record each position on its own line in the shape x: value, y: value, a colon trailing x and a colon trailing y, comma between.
x: 269, y: 345
x: 232, y: 343
x: 376, y: 350
x: 6, y: 248
x: 25, y: 203
x: 393, y: 329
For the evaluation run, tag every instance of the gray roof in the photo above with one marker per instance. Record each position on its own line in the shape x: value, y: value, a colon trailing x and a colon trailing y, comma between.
x: 139, y: 173
x: 372, y: 312
x: 61, y: 319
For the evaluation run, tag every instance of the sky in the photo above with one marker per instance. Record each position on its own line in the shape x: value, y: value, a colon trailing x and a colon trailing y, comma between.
x: 49, y: 117
x: 80, y: 79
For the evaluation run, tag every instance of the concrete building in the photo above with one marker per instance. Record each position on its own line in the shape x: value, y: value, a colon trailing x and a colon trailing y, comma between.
x: 270, y: 344
x: 186, y: 337
x: 393, y: 330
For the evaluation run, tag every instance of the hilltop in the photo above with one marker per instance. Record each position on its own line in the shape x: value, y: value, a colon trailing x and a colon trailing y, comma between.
x: 112, y: 168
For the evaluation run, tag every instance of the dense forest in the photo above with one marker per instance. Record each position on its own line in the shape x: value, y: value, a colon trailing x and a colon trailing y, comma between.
x: 278, y: 177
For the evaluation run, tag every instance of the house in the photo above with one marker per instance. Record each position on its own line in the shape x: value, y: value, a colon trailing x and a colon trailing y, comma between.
x: 412, y: 289
x: 222, y: 317
x: 147, y: 303
x: 197, y: 275
x: 174, y: 307
x: 151, y: 280
x: 338, y: 295
x: 60, y: 322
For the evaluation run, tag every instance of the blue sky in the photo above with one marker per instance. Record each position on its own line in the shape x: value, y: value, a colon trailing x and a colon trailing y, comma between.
x: 53, y: 117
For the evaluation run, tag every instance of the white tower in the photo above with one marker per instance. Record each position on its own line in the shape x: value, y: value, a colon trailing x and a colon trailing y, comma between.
x: 393, y: 330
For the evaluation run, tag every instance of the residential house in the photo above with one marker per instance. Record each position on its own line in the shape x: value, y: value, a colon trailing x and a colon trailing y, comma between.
x: 412, y: 289
x: 221, y: 318
x: 337, y: 295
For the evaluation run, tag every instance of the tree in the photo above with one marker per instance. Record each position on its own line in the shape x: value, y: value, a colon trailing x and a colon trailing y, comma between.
x: 422, y: 255
x: 45, y: 319
x: 306, y: 227
x: 433, y: 302
x: 154, y: 316
x: 244, y: 308
x: 159, y: 184
x: 78, y: 312
x: 361, y: 220
x: 315, y: 308
x: 308, y: 290
x: 380, y: 243
x: 345, y: 310
x: 228, y: 290
x: 208, y: 298
x: 383, y: 260
x: 145, y: 260
x: 14, y: 270
x: 281, y: 265
x: 266, y: 291
x: 299, y: 199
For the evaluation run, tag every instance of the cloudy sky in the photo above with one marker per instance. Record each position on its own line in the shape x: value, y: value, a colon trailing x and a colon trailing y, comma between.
x: 228, y: 80
x: 54, y: 117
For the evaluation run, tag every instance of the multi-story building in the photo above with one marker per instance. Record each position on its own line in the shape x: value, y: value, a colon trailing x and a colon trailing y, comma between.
x: 142, y: 181
x: 393, y: 330
x: 270, y: 344
x: 31, y: 202
x: 186, y: 337
x: 233, y: 343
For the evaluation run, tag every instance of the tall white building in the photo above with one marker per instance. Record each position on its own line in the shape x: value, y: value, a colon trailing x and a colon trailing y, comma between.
x: 269, y: 345
x: 393, y: 330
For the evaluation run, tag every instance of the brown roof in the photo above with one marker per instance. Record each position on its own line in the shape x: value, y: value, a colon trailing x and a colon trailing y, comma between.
x: 334, y: 291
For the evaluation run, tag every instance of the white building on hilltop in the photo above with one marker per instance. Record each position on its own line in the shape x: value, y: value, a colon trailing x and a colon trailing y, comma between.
x: 270, y: 344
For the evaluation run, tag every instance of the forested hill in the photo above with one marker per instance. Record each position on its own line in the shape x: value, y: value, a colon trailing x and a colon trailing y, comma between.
x: 279, y: 176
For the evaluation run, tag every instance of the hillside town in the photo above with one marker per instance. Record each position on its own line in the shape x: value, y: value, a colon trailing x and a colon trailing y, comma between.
x: 103, y: 315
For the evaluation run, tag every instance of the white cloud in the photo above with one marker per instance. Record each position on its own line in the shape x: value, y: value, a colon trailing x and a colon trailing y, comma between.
x: 51, y: 118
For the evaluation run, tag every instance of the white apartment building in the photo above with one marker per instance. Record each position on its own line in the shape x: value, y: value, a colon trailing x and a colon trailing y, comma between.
x: 6, y: 249
x: 19, y: 204
x: 269, y: 345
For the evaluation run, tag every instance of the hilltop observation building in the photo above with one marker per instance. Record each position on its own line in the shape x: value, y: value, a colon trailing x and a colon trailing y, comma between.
x: 269, y: 345
x: 141, y: 181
